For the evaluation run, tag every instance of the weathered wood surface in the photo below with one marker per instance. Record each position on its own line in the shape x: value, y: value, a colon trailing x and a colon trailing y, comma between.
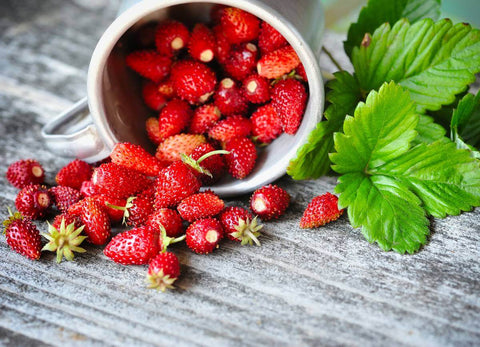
x: 300, y: 288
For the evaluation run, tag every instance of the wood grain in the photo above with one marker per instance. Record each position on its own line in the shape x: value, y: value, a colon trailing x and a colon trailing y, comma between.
x: 326, y: 286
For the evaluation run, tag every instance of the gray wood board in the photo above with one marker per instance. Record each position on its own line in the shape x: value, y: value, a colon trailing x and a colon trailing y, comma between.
x: 326, y: 286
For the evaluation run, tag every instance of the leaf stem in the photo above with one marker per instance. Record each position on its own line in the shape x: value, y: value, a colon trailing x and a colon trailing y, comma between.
x: 334, y: 61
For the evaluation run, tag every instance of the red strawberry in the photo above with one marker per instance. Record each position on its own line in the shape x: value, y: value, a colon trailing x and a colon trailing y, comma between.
x: 229, y: 98
x: 167, y: 89
x: 135, y: 157
x: 64, y: 197
x: 133, y: 247
x: 256, y: 89
x: 88, y: 189
x: 152, y: 97
x: 289, y: 98
x: 200, y: 205
x: 241, y: 61
x: 242, y: 157
x: 269, y: 39
x: 266, y: 124
x: 239, y: 225
x: 203, y: 235
x: 105, y: 201
x: 64, y: 239
x: 25, y: 172
x: 118, y: 181
x: 171, y: 36
x: 169, y: 219
x: 163, y: 271
x: 214, y: 164
x: 96, y: 221
x: 153, y: 130
x: 269, y: 202
x: 174, y: 118
x: 204, y: 118
x: 149, y: 64
x: 222, y: 45
x: 171, y: 149
x: 136, y: 210
x: 230, y: 128
x: 202, y: 43
x: 321, y: 210
x: 74, y: 174
x: 277, y: 63
x: 68, y: 219
x: 22, y: 235
x: 175, y: 183
x: 33, y: 201
x: 193, y: 81
x: 300, y: 70
x: 239, y: 26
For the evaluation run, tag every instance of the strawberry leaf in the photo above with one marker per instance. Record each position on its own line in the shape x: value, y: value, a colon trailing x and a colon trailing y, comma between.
x: 389, y: 186
x: 378, y: 12
x: 433, y: 60
x: 465, y: 124
x: 428, y: 131
x: 312, y: 158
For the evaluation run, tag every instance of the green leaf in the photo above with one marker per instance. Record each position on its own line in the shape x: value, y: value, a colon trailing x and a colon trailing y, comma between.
x: 465, y: 124
x: 312, y: 158
x: 378, y: 12
x: 433, y: 60
x: 446, y: 179
x: 428, y: 131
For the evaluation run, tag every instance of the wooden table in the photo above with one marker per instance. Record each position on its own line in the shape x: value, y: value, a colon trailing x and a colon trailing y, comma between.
x: 326, y: 286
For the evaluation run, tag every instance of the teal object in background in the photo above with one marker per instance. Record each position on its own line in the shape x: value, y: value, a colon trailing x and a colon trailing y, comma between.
x: 462, y: 10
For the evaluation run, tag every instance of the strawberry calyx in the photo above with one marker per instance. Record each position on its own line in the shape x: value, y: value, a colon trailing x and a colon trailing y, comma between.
x: 195, y: 164
x: 160, y: 281
x: 166, y: 241
x: 125, y: 209
x: 247, y: 231
x: 64, y: 240
x: 12, y: 217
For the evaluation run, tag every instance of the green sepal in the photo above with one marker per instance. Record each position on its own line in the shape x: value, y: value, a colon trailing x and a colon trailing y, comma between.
x: 64, y: 241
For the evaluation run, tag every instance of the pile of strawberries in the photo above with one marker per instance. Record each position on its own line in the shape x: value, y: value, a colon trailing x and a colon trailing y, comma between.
x: 233, y: 83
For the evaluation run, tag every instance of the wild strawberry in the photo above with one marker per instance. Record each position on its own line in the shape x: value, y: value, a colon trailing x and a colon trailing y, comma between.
x: 242, y: 157
x: 64, y: 197
x: 204, y: 118
x: 22, y: 235
x: 200, y: 205
x: 256, y: 89
x: 136, y: 210
x: 167, y: 89
x: 321, y: 210
x: 135, y: 157
x: 230, y: 128
x: 33, y: 201
x: 266, y: 124
x: 149, y: 64
x: 239, y: 26
x: 202, y: 43
x: 277, y: 63
x: 164, y: 241
x: 203, y: 235
x: 152, y: 97
x: 163, y: 271
x: 214, y: 164
x: 133, y: 247
x: 64, y: 240
x: 171, y: 36
x: 74, y: 174
x: 239, y: 225
x: 118, y: 181
x: 106, y: 202
x: 96, y: 221
x: 241, y: 61
x: 171, y: 149
x: 167, y: 218
x: 68, y: 219
x: 229, y: 98
x: 289, y: 98
x: 300, y: 70
x: 193, y: 81
x: 88, y: 189
x: 269, y: 202
x: 25, y: 172
x: 269, y: 39
x: 222, y: 45
x: 175, y: 183
x: 174, y: 118
x: 153, y: 130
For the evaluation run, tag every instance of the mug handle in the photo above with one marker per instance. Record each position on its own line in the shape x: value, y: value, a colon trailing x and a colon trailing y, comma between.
x: 72, y: 134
